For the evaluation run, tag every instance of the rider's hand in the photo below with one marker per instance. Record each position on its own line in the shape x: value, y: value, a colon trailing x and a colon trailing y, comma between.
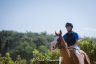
x: 72, y: 46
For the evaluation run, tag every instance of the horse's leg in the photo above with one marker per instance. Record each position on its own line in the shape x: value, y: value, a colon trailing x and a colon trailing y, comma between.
x: 60, y: 60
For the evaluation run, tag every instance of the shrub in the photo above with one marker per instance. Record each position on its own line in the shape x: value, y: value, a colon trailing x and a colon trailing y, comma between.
x: 89, y: 46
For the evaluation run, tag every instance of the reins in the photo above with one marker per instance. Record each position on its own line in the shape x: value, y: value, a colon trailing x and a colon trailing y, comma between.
x: 62, y: 47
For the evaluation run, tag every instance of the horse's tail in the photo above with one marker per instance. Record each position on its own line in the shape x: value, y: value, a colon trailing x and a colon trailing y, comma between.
x: 86, y: 58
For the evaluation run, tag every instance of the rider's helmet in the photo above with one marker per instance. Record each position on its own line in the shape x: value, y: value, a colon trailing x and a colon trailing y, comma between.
x: 68, y: 24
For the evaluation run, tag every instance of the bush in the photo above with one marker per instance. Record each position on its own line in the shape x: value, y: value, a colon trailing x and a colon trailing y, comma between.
x: 89, y: 46
x: 49, y: 55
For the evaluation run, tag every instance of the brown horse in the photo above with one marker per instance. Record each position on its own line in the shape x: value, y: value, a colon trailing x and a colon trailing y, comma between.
x: 67, y: 55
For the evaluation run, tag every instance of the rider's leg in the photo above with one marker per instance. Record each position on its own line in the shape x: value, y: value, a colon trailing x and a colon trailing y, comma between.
x: 80, y: 57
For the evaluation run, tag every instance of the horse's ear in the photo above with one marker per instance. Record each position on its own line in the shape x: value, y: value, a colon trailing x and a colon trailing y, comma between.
x: 60, y: 32
x: 55, y: 33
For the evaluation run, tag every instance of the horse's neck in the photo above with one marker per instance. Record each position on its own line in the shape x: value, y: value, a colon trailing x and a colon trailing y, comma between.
x: 64, y: 52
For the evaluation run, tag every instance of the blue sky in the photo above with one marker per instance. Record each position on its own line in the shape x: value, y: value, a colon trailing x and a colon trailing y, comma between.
x: 48, y: 15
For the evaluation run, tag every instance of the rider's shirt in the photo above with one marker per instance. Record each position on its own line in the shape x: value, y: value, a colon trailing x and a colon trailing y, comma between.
x: 71, y: 38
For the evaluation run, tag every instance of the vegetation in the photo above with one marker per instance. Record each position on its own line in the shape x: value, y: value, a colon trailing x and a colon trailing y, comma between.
x: 28, y: 48
x: 89, y: 46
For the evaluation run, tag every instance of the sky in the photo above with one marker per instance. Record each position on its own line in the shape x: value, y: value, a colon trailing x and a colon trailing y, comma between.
x: 48, y: 16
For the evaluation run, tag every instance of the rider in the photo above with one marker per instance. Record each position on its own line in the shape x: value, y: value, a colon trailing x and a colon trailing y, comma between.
x: 71, y: 37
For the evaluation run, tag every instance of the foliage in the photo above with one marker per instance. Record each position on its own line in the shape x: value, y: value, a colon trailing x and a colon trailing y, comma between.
x: 49, y: 55
x: 6, y: 60
x: 28, y: 48
x: 89, y: 46
x: 23, y: 43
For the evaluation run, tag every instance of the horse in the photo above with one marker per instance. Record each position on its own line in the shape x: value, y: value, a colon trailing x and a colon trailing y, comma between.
x: 68, y: 55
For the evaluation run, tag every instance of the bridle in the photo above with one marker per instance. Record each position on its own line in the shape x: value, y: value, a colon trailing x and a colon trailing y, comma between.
x: 59, y: 45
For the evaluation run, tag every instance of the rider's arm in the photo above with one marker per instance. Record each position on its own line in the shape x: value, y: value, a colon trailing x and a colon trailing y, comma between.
x: 77, y: 38
x: 77, y: 42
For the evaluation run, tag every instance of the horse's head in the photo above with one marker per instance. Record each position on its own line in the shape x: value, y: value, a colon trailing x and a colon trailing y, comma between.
x: 58, y: 41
